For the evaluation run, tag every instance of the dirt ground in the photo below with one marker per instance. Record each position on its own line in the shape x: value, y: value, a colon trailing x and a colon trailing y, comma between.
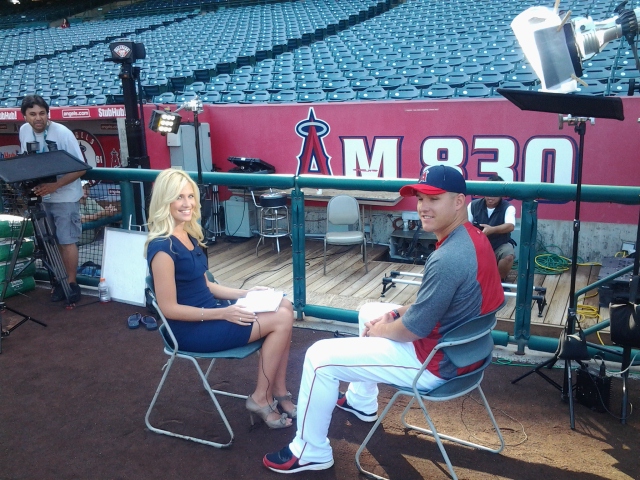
x: 73, y: 397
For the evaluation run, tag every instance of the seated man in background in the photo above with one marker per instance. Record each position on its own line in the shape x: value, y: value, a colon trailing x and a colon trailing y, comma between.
x: 496, y: 218
x: 90, y: 211
x: 460, y: 282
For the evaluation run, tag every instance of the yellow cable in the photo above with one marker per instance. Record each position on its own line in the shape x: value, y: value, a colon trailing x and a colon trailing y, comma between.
x: 589, y: 311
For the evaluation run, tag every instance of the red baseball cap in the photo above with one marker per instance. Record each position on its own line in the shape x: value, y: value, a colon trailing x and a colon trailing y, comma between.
x: 436, y: 180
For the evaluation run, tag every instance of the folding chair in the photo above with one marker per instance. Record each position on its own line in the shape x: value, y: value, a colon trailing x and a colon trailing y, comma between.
x: 465, y: 345
x: 172, y: 349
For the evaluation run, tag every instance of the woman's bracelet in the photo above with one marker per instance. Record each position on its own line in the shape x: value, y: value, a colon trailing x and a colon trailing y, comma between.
x: 202, y: 314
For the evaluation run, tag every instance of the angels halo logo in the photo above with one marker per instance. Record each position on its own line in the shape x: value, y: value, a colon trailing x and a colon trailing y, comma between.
x: 122, y: 51
x: 91, y: 149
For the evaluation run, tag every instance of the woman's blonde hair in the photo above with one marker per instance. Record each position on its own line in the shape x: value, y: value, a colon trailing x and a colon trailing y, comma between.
x: 166, y: 190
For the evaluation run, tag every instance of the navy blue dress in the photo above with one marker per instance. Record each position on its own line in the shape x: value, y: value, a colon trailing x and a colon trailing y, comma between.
x: 192, y: 290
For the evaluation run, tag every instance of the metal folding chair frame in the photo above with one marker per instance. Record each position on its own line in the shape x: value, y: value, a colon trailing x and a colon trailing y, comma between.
x: 448, y: 391
x: 172, y: 350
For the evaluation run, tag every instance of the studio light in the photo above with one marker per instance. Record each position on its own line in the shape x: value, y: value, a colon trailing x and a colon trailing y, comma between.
x: 556, y: 47
x: 164, y: 122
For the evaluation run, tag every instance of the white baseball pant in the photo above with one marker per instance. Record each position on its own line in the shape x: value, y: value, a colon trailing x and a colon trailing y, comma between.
x: 363, y: 361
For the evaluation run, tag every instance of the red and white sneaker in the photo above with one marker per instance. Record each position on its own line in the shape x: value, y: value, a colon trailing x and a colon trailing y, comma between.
x: 286, y: 462
x: 344, y: 405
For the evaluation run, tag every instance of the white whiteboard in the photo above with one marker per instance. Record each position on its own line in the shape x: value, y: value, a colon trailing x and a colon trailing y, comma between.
x: 124, y: 267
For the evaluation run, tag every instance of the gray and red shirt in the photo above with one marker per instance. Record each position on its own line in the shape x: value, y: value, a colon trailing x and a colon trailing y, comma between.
x: 461, y: 281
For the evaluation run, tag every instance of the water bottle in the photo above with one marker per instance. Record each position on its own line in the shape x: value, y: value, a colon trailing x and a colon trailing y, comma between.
x: 103, y: 291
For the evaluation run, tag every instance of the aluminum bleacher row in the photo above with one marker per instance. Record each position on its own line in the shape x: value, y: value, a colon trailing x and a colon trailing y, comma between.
x: 305, y: 51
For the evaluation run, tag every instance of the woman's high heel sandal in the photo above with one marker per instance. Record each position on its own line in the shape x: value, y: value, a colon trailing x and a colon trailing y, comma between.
x: 290, y: 413
x: 263, y: 413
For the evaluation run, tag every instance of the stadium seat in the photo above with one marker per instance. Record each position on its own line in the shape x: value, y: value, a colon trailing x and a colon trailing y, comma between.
x: 619, y: 88
x: 311, y: 96
x: 621, y: 74
x: 405, y: 92
x: 482, y: 59
x: 197, y: 87
x: 597, y: 73
x: 514, y: 85
x: 179, y: 82
x: 411, y: 71
x: 283, y: 85
x: 356, y: 73
x: 260, y: 86
x: 11, y: 102
x: 527, y: 77
x: 455, y: 80
x: 283, y: 96
x: 490, y: 79
x: 439, y: 70
x: 392, y: 82
x: 301, y: 76
x: 330, y: 85
x: 186, y: 97
x: 594, y: 89
x: 423, y: 81
x: 258, y: 97
x: 437, y: 90
x: 279, y: 77
x: 330, y: 75
x: 469, y: 68
x: 382, y: 72
x: 372, y: 93
x: 166, y: 97
x: 236, y: 96
x: 341, y: 95
x: 56, y: 102
x: 241, y: 78
x: 500, y: 67
x: 98, y: 100
x: 454, y: 61
x: 211, y: 97
x: 358, y: 84
x: 473, y: 90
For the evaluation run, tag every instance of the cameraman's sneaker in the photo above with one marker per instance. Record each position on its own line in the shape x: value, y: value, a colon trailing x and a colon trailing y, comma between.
x: 57, y: 294
x: 75, y: 293
x: 344, y: 405
x: 286, y: 462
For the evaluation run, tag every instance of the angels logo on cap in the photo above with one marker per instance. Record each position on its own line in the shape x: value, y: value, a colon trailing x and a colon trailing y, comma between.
x: 435, y: 180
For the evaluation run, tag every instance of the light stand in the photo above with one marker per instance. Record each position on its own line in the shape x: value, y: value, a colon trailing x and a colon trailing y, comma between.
x: 171, y: 126
x: 126, y: 52
x: 571, y: 347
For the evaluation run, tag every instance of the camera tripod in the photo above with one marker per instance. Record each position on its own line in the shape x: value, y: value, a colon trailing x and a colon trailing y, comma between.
x: 46, y: 251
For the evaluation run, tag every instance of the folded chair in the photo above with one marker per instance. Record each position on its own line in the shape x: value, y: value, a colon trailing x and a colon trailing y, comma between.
x: 172, y: 349
x: 465, y: 345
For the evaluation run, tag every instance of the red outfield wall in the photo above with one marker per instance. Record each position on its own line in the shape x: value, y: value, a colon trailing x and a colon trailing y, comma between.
x: 395, y: 140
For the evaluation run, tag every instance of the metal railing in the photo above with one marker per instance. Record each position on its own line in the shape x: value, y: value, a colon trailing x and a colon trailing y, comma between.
x: 529, y: 193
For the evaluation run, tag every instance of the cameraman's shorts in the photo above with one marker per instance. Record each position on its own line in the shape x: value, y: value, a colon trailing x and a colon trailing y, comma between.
x: 503, y: 251
x: 64, y: 219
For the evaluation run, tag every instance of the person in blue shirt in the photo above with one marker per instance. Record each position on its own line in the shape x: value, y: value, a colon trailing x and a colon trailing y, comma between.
x: 198, y: 310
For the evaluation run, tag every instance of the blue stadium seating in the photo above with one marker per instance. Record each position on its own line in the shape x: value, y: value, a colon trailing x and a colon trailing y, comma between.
x: 266, y: 46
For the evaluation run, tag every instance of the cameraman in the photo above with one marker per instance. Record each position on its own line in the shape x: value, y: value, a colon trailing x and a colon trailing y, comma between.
x: 60, y: 199
x: 497, y: 219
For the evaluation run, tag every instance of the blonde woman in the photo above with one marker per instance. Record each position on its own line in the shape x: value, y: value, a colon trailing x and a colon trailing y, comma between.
x: 195, y: 308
